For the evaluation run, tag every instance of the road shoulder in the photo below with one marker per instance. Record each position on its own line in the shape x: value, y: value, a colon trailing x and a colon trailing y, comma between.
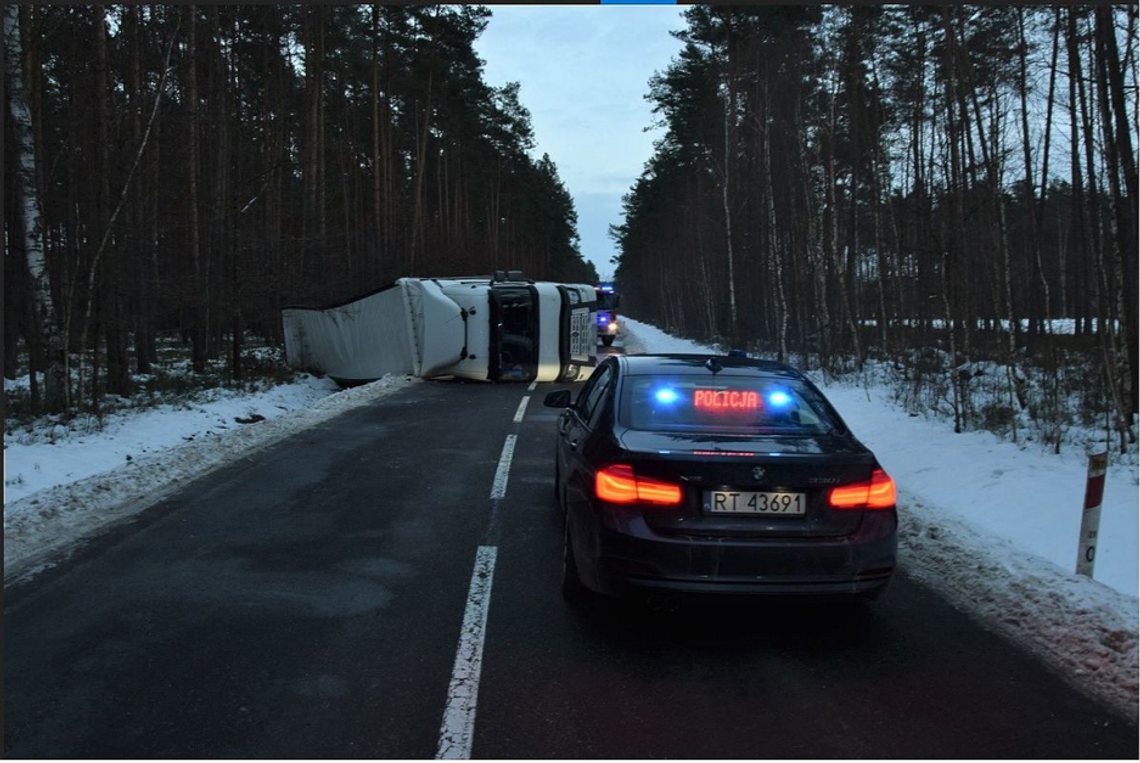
x: 46, y: 526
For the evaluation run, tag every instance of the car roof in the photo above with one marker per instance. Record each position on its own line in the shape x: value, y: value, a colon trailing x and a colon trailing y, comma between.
x: 696, y: 364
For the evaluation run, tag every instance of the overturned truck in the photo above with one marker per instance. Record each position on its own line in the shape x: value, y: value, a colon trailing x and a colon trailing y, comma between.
x: 500, y: 328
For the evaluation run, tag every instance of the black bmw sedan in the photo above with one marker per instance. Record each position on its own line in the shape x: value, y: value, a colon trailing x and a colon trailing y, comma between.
x: 697, y: 473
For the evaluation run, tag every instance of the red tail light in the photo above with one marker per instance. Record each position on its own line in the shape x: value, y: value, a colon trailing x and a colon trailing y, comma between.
x: 877, y: 493
x: 618, y: 484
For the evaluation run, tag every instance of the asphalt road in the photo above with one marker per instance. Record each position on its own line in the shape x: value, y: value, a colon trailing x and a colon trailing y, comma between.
x: 309, y: 601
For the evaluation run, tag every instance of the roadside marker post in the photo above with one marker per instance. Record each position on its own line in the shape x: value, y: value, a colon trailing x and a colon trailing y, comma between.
x: 1090, y: 517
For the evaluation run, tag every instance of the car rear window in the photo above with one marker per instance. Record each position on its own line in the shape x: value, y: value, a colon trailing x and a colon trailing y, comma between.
x: 728, y: 405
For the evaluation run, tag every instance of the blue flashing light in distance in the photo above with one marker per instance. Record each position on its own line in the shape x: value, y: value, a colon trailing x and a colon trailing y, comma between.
x: 667, y: 396
x: 603, y: 318
x: 779, y: 399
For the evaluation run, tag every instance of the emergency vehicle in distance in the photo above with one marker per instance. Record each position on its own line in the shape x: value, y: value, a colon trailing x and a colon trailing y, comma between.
x: 608, y: 302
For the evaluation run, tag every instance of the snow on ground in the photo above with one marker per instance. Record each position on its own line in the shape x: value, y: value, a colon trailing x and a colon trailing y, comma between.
x: 993, y: 526
x: 645, y: 337
x: 1027, y: 496
x: 42, y: 458
x: 1056, y: 325
x: 56, y: 493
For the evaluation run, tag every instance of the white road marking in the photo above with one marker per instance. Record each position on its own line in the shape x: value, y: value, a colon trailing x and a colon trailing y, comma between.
x: 457, y: 732
x: 533, y: 384
x: 499, y: 486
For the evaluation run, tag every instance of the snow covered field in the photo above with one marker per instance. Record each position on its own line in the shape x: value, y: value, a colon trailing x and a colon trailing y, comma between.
x: 63, y: 483
x: 994, y: 527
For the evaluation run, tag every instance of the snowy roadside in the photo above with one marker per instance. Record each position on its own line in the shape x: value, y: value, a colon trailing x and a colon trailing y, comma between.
x: 993, y: 527
x: 1085, y: 630
x: 41, y: 455
x: 58, y: 493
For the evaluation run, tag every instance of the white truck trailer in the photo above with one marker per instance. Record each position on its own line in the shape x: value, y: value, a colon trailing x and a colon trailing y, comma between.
x: 501, y: 328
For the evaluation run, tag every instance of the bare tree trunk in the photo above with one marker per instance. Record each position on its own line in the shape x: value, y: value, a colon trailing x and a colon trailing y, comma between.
x: 1113, y: 62
x: 815, y: 254
x: 1039, y: 205
x: 322, y: 174
x: 1054, y: 394
x: 56, y: 388
x: 1076, y: 182
x: 421, y: 166
x: 1030, y: 194
x: 951, y: 224
x: 153, y: 293
x: 421, y: 152
x: 198, y: 329
x: 1118, y: 155
x: 106, y: 280
x: 727, y: 206
x: 377, y: 171
x: 136, y: 210
x: 770, y: 223
x: 880, y: 255
x: 1119, y: 222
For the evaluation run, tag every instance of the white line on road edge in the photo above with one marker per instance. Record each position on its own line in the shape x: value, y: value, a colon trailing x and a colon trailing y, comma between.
x: 522, y: 409
x: 533, y: 384
x: 499, y: 486
x: 457, y: 732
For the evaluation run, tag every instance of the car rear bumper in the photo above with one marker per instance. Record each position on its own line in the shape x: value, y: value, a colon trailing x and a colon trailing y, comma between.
x: 630, y: 556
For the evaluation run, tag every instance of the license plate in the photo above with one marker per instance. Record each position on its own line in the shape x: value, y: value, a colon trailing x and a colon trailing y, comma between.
x: 747, y: 502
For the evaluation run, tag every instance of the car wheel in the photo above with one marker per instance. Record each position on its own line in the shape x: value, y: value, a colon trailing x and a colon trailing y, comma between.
x: 573, y: 590
x: 607, y: 340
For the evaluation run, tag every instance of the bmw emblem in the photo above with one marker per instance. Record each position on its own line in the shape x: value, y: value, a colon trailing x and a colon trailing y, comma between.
x: 757, y: 473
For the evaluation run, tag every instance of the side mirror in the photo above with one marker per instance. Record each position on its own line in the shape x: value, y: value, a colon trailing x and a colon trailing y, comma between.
x: 558, y: 399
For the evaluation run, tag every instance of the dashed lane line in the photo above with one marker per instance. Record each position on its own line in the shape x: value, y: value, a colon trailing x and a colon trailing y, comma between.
x: 522, y: 409
x: 533, y: 384
x: 457, y: 732
x: 503, y: 472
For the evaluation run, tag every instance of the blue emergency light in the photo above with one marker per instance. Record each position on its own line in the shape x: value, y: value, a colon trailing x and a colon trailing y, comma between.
x: 779, y: 399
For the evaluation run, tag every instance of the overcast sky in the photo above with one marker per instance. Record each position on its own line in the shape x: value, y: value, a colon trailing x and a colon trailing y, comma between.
x: 584, y: 72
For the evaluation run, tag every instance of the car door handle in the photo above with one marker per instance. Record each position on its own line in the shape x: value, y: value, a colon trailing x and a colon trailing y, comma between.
x: 573, y: 444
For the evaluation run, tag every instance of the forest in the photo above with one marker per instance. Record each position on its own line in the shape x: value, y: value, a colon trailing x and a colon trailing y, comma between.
x: 186, y: 171
x: 948, y: 192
